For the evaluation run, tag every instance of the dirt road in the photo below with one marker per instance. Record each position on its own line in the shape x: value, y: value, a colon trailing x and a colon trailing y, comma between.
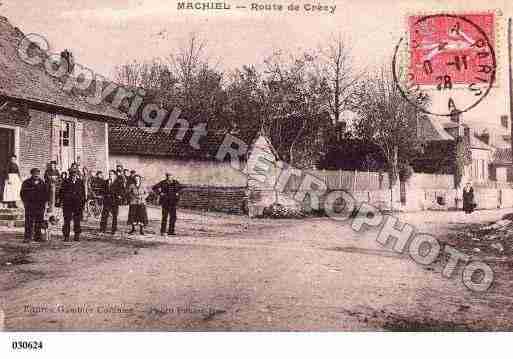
x: 230, y: 273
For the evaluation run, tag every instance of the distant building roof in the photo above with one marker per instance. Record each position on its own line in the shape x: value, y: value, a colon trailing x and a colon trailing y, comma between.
x: 433, y: 130
x: 32, y: 84
x: 502, y: 156
x: 477, y: 143
x: 125, y: 140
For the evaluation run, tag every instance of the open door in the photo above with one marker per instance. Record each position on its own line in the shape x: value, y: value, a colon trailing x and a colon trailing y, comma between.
x: 6, y: 151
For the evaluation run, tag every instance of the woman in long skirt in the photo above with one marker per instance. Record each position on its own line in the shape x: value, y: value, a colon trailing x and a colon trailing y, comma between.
x: 468, y: 198
x: 137, y: 214
x: 12, y: 183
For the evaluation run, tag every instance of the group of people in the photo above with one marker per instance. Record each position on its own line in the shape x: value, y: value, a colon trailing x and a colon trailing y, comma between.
x: 69, y: 190
x: 36, y: 194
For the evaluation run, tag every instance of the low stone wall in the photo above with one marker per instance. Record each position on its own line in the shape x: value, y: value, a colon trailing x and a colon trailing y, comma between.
x: 506, y: 197
x: 416, y: 199
x: 485, y: 198
x: 221, y: 199
x: 260, y: 199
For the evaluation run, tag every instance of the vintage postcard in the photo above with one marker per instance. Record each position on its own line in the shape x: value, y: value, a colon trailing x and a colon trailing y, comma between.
x: 281, y: 165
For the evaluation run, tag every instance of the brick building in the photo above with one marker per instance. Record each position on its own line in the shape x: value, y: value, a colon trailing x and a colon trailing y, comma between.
x: 39, y: 121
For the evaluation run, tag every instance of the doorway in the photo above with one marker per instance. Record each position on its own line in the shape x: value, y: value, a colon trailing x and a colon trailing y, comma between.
x: 67, y: 144
x: 6, y: 151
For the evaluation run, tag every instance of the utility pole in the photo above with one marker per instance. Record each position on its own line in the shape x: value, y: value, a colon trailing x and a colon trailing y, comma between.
x: 510, y: 94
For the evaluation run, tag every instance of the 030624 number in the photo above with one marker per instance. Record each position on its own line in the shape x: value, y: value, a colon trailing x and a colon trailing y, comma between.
x: 27, y: 345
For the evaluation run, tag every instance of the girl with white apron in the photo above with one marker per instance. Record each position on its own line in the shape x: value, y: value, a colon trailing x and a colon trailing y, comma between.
x: 12, y: 183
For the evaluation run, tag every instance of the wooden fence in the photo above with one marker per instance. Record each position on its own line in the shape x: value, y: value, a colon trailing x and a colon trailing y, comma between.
x: 431, y: 181
x: 346, y: 180
x: 371, y: 181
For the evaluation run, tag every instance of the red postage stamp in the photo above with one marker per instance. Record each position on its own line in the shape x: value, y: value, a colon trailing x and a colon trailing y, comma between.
x: 452, y: 48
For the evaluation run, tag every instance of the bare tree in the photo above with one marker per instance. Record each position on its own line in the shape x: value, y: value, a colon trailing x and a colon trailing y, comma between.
x: 295, y: 106
x: 186, y: 80
x: 335, y: 64
x: 388, y: 120
x: 147, y: 75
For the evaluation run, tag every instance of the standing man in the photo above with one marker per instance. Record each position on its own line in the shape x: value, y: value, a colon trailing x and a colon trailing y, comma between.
x: 169, y: 191
x: 131, y: 178
x: 124, y: 183
x: 52, y: 178
x: 97, y: 183
x: 112, y: 193
x: 72, y: 197
x: 126, y: 175
x: 34, y: 194
x: 119, y: 170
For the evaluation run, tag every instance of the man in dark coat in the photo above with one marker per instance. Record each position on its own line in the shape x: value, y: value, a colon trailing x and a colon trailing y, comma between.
x: 112, y: 194
x: 169, y: 191
x: 52, y: 177
x: 72, y: 199
x: 131, y: 178
x: 34, y: 194
x: 124, y: 182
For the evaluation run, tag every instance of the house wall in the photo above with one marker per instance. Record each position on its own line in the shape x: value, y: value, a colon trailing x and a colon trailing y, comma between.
x: 478, y: 170
x: 38, y: 141
x: 208, y: 185
x: 192, y: 172
x: 94, y: 151
x: 501, y: 174
x: 34, y: 142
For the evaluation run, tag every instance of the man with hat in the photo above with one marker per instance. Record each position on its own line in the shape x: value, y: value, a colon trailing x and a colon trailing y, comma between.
x: 72, y: 198
x: 52, y: 177
x: 131, y: 178
x: 34, y: 194
x: 112, y: 194
x: 169, y: 191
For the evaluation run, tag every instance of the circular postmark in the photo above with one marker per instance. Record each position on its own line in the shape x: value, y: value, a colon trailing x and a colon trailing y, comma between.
x: 450, y: 59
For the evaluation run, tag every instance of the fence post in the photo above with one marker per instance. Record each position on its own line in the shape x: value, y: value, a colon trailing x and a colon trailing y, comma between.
x: 340, y: 179
x: 354, y: 180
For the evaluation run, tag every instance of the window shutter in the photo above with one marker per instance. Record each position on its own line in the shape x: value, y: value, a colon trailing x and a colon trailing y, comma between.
x: 55, y: 140
x: 79, y: 129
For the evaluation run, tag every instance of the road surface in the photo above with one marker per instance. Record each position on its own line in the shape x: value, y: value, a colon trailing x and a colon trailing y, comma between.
x: 230, y: 273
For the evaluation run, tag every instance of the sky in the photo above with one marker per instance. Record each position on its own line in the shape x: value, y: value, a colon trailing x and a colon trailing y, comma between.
x: 104, y: 34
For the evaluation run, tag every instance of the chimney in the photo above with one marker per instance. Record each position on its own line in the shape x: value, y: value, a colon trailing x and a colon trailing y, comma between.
x: 485, y: 136
x: 455, y: 114
x: 67, y: 57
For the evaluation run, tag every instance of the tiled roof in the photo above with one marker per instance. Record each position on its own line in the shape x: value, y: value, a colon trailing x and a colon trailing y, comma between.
x: 502, y: 156
x: 432, y: 130
x: 22, y: 81
x: 477, y: 143
x: 125, y: 140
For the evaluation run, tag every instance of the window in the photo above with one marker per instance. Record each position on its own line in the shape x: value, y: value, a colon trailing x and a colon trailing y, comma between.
x: 64, y: 133
x: 504, y: 121
x: 67, y: 144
